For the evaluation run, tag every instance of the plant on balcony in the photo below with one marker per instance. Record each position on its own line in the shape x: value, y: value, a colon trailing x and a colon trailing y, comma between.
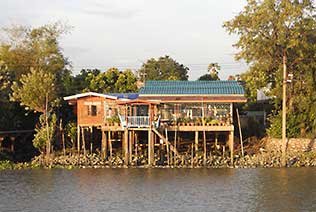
x: 113, y: 120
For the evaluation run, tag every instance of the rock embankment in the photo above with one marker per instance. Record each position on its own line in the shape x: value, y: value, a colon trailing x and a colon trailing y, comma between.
x: 260, y: 160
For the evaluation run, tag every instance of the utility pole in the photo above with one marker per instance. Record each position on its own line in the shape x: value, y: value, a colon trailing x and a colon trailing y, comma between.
x: 284, y: 140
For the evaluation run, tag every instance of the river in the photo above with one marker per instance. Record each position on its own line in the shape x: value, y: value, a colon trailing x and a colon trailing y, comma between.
x: 292, y: 189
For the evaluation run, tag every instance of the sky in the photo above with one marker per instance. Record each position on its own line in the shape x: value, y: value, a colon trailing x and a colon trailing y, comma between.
x: 126, y: 33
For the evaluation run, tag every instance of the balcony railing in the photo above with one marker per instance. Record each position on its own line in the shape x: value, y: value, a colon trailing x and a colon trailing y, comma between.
x: 135, y: 121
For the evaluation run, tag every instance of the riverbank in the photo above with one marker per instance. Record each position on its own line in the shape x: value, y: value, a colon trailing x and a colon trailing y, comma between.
x: 259, y: 160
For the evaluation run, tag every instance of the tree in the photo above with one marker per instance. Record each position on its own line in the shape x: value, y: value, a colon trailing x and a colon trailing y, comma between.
x: 273, y: 31
x: 25, y: 48
x: 126, y: 82
x: 208, y: 77
x: 165, y: 68
x: 36, y: 91
x: 110, y: 81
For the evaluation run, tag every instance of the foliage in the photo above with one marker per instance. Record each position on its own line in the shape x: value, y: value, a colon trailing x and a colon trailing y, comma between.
x: 165, y: 68
x: 5, y: 164
x: 213, y: 75
x: 71, y: 131
x: 213, y: 68
x: 111, y: 81
x: 208, y: 77
x: 35, y: 90
x: 273, y: 31
x: 23, y: 49
x: 113, y: 120
x: 44, y: 132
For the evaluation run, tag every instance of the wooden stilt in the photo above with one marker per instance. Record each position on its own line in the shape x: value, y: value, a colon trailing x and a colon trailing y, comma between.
x: 136, y: 145
x: 231, y: 146
x: 167, y: 147
x: 110, y: 145
x: 204, y: 135
x: 168, y: 154
x: 83, y: 141
x: 240, y: 133
x: 130, y: 147
x: 103, y: 145
x: 216, y: 141
x: 196, y: 143
x: 192, y: 155
x: 150, y: 148
x: 125, y: 147
x: 12, y: 140
x: 91, y: 140
x: 78, y: 139
x: 175, y: 144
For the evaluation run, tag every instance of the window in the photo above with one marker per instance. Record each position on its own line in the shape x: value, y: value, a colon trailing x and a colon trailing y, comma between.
x: 92, y: 110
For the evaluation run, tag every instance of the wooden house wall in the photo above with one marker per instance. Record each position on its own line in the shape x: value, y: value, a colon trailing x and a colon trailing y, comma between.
x: 86, y: 119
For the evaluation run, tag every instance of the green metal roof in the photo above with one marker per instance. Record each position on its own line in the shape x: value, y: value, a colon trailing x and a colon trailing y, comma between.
x: 221, y: 87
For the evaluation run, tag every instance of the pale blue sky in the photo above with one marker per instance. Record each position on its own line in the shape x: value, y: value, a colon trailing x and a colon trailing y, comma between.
x: 125, y: 33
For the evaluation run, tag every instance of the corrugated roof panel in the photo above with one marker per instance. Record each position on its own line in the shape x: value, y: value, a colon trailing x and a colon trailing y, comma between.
x: 192, y: 87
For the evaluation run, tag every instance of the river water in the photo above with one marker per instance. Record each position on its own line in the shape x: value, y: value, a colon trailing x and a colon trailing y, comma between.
x: 292, y: 189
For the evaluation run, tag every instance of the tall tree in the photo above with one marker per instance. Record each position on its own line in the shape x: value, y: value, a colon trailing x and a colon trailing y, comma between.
x: 165, y: 68
x: 36, y: 91
x: 111, y: 81
x: 273, y: 31
x: 25, y: 48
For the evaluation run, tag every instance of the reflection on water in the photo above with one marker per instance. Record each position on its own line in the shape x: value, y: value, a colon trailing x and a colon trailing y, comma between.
x: 159, y: 190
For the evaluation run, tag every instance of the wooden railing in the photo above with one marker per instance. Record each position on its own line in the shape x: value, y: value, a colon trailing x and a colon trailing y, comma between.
x: 138, y: 121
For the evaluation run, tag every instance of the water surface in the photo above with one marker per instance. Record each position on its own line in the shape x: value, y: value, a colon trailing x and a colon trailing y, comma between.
x: 292, y: 189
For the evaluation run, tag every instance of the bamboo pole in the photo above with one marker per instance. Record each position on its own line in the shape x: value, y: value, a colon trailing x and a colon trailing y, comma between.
x: 240, y: 133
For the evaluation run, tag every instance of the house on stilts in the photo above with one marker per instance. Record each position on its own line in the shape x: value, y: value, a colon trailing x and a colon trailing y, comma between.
x: 176, y: 117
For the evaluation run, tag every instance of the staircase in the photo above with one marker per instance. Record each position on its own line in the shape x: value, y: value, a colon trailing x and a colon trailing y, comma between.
x: 172, y: 148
